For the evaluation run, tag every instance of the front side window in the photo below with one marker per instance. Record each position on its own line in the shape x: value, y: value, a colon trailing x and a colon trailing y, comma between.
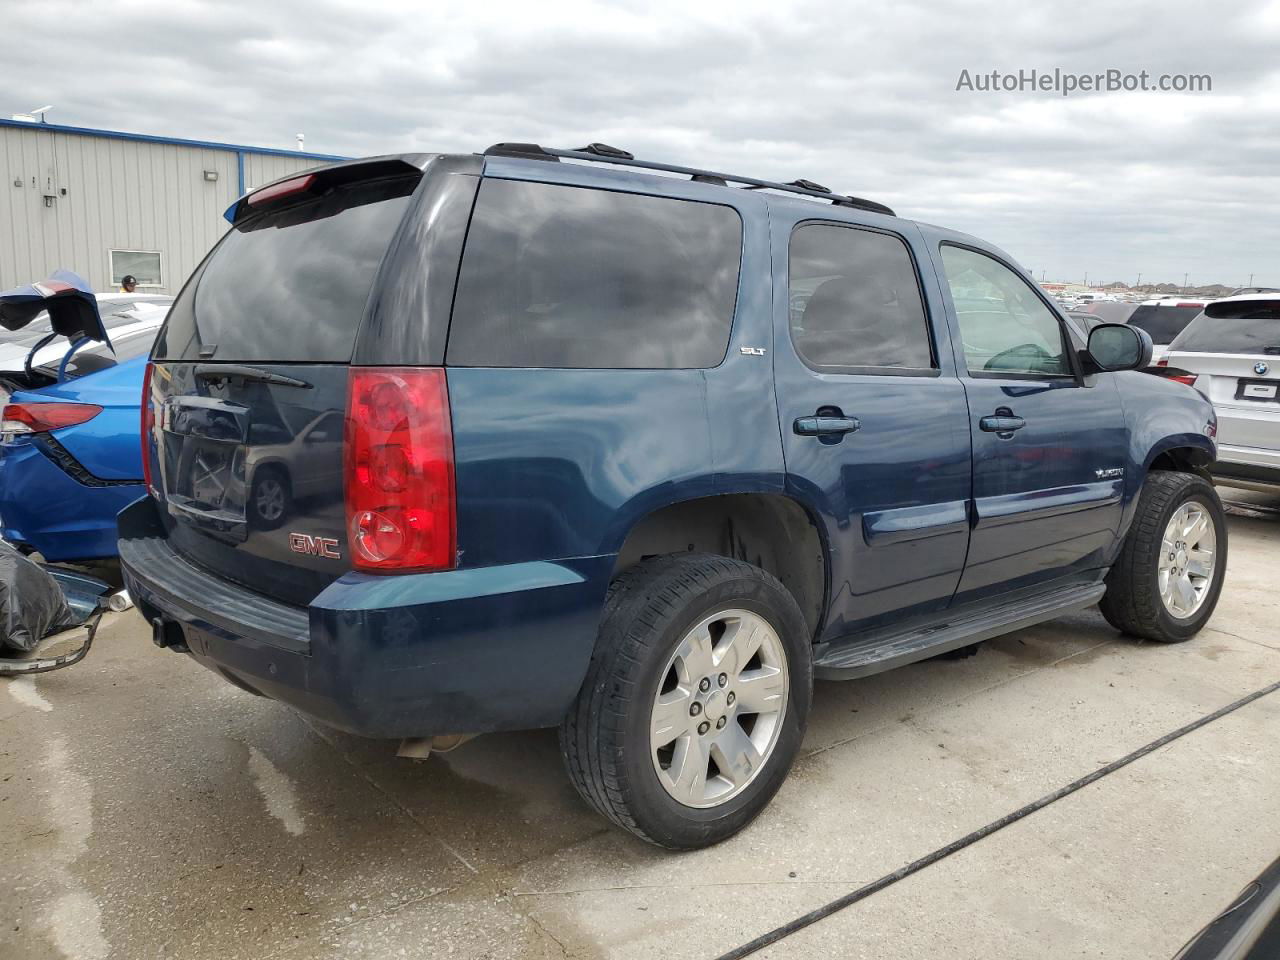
x: 558, y: 276
x: 142, y: 265
x: 855, y: 302
x: 1006, y: 328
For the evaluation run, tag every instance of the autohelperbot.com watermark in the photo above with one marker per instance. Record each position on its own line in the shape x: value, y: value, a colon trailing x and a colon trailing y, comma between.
x: 1066, y: 82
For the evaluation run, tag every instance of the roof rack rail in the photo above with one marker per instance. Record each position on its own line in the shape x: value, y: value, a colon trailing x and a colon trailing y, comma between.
x: 603, y: 153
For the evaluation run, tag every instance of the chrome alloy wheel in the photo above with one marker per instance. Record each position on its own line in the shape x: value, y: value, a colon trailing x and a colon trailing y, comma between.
x: 1188, y: 554
x: 719, y: 708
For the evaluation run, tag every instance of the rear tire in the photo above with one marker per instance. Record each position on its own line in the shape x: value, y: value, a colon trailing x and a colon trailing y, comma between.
x: 1146, y: 593
x: 676, y: 631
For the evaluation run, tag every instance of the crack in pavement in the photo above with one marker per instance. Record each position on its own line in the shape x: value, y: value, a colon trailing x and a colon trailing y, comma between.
x: 1228, y: 633
x: 390, y: 797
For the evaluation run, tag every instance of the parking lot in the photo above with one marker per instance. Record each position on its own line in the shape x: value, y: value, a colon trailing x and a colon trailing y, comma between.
x: 152, y: 810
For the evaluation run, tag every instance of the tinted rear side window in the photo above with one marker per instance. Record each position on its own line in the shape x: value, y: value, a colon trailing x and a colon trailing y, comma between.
x: 1246, y: 329
x: 289, y: 285
x: 1163, y: 323
x: 556, y: 276
x: 855, y: 301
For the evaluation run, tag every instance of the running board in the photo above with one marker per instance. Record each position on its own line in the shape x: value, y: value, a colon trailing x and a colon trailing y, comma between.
x: 895, y: 649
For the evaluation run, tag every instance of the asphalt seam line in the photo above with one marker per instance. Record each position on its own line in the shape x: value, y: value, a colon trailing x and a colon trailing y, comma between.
x: 889, y: 879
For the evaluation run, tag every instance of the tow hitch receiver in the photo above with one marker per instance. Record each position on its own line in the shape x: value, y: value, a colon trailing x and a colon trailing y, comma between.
x: 166, y: 634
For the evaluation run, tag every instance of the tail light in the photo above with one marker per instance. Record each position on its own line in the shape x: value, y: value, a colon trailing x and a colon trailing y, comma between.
x: 399, y: 469
x: 26, y: 418
x: 1188, y: 378
x: 1162, y: 363
x: 148, y: 424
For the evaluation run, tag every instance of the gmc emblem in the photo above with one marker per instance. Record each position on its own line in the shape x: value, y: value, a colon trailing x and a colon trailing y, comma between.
x: 315, y: 546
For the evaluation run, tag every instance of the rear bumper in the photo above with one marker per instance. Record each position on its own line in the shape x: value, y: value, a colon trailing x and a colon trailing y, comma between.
x: 462, y: 651
x: 44, y: 507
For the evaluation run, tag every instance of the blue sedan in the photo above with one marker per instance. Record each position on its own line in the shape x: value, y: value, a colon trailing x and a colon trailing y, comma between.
x: 70, y: 457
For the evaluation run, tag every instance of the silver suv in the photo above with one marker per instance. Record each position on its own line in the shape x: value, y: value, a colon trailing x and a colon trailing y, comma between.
x: 1231, y: 354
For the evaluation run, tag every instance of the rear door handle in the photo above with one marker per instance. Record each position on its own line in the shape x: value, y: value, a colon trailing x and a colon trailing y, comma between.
x: 1002, y: 423
x: 825, y: 426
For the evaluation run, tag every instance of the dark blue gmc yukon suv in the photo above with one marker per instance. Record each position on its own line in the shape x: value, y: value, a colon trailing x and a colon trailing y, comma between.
x: 438, y: 445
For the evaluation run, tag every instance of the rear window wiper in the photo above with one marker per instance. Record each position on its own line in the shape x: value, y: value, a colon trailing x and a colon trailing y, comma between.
x: 235, y: 371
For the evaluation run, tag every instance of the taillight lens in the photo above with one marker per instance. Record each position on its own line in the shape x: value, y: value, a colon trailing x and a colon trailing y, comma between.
x: 1188, y: 378
x: 148, y: 424
x: 25, y: 418
x: 399, y: 469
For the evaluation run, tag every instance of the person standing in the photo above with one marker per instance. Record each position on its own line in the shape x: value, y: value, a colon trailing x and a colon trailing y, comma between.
x: 129, y: 283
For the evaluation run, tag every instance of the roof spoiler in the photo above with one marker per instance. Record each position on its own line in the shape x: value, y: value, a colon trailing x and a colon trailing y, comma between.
x: 318, y: 180
x: 1243, y: 306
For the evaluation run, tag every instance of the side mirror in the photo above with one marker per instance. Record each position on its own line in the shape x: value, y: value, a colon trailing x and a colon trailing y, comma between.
x: 1118, y: 346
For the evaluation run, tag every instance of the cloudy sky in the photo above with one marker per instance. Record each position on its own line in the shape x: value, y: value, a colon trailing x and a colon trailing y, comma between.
x: 861, y: 97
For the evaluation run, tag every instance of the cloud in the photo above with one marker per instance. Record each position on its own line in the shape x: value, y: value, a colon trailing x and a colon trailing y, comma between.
x: 861, y: 98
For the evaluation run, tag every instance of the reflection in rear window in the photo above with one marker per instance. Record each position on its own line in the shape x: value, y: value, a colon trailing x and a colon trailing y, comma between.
x: 289, y: 285
x: 1163, y: 323
x: 1250, y: 328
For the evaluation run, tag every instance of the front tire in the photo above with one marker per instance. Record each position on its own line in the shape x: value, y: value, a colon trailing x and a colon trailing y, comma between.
x: 695, y: 703
x: 1166, y: 582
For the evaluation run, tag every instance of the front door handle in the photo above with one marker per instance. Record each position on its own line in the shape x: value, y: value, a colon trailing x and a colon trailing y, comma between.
x: 1002, y: 423
x: 825, y: 426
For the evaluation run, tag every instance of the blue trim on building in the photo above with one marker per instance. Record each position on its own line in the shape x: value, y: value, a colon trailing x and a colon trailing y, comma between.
x: 172, y: 141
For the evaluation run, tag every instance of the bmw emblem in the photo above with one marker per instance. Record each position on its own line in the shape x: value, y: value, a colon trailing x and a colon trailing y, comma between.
x: 1260, y: 367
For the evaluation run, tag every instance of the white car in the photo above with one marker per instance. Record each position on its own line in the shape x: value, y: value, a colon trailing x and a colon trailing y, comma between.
x: 123, y: 314
x: 1231, y: 354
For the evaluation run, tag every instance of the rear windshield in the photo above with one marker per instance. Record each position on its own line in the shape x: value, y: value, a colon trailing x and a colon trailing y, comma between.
x: 557, y: 276
x: 1245, y: 330
x: 289, y: 285
x: 1161, y: 322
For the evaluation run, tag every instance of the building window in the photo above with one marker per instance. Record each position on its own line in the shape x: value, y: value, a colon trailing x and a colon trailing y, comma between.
x: 143, y: 265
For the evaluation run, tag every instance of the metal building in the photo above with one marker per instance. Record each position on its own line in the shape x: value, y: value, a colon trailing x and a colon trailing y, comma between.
x: 105, y: 204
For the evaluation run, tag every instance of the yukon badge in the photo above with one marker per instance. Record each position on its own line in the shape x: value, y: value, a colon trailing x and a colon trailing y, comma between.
x: 1109, y: 473
x: 314, y: 546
